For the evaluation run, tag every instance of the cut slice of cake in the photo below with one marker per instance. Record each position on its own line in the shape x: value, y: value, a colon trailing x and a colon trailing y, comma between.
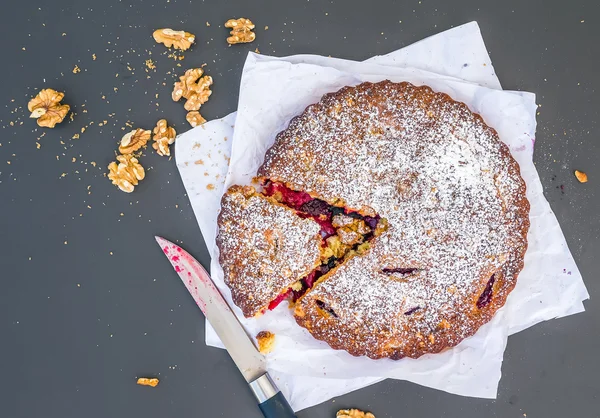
x: 277, y: 243
x: 267, y: 248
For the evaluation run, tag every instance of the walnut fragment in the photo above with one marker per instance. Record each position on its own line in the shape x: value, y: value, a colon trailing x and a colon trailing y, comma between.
x: 195, y: 119
x: 164, y: 135
x: 171, y: 38
x: 581, y: 176
x: 46, y: 108
x: 127, y: 174
x: 241, y: 31
x: 144, y: 381
x: 353, y: 413
x: 194, y: 87
x: 134, y: 140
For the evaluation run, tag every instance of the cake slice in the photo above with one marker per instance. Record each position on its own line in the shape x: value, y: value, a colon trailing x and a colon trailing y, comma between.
x: 275, y: 244
x: 265, y: 248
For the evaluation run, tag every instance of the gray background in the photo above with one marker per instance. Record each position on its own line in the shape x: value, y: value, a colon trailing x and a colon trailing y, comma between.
x: 88, y: 302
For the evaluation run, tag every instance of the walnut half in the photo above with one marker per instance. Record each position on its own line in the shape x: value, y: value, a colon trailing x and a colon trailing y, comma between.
x: 353, y: 413
x: 193, y: 87
x: 46, y: 108
x: 127, y: 174
x: 164, y: 135
x: 177, y: 39
x: 241, y: 31
x: 195, y: 118
x: 134, y: 140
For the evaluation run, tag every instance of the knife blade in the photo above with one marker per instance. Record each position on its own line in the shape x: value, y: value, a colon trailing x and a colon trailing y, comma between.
x: 240, y: 347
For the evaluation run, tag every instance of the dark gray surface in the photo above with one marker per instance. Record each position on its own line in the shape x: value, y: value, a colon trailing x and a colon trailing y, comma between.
x: 87, y: 300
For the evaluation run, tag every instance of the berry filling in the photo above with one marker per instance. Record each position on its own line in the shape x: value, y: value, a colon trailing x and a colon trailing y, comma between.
x: 308, y: 281
x: 486, y: 296
x: 275, y: 302
x: 325, y: 307
x: 412, y: 311
x: 343, y: 232
x: 286, y: 195
x: 408, y: 270
x: 316, y: 207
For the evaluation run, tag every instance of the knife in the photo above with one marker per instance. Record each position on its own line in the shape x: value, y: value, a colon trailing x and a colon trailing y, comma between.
x: 240, y: 347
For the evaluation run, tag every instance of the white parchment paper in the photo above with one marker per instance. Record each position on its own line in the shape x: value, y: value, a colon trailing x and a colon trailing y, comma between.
x: 273, y: 90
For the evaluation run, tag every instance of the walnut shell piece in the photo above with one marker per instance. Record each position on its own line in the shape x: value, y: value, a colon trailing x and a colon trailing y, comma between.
x: 581, y: 176
x: 241, y: 31
x: 127, y: 173
x: 177, y: 39
x: 195, y: 119
x: 46, y: 108
x: 164, y: 135
x: 134, y: 140
x: 353, y: 413
x: 194, y: 87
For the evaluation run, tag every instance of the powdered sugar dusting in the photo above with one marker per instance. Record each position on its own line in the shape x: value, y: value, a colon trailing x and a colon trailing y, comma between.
x: 264, y: 246
x: 455, y: 204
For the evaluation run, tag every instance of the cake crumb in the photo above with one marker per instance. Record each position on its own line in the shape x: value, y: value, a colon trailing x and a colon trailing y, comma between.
x: 210, y: 186
x: 266, y: 341
x: 144, y: 381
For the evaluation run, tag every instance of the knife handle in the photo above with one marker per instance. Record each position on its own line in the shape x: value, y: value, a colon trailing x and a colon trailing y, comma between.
x: 271, y: 401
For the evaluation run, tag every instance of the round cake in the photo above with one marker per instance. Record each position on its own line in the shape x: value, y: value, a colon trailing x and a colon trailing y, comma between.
x: 423, y: 220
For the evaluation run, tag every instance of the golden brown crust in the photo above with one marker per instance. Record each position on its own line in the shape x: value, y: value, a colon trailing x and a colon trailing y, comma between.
x: 264, y: 247
x: 455, y: 202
